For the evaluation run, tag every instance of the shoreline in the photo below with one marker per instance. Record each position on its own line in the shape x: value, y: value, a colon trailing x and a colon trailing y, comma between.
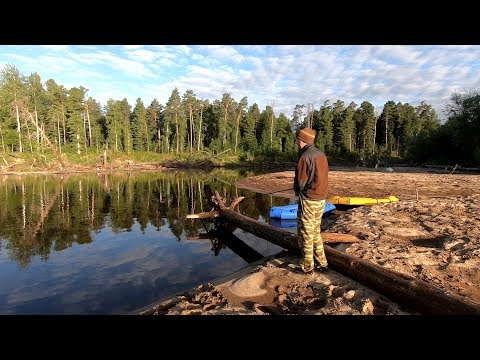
x: 145, y: 310
x: 432, y: 233
x: 274, y: 286
x: 434, y: 237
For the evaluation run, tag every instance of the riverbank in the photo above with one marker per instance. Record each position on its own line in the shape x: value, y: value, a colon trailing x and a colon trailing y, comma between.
x: 432, y: 233
x: 28, y: 163
x: 274, y: 286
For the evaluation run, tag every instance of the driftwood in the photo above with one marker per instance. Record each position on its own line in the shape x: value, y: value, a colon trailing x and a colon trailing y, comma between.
x: 454, y: 169
x: 413, y: 293
x: 327, y: 237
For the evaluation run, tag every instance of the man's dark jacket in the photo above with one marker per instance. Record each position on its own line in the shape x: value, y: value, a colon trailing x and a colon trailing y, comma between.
x: 311, y: 174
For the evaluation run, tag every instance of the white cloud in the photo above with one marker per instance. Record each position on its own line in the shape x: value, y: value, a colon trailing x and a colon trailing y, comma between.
x: 127, y: 67
x: 285, y: 74
x: 399, y: 53
x: 183, y: 49
x: 259, y: 49
x: 142, y: 55
x: 56, y: 47
x: 225, y: 53
x: 132, y: 47
x: 200, y: 71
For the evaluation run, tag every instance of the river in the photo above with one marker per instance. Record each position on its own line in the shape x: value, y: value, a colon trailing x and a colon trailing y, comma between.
x: 113, y: 243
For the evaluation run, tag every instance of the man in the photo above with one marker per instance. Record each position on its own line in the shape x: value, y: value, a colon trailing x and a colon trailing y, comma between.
x: 310, y: 185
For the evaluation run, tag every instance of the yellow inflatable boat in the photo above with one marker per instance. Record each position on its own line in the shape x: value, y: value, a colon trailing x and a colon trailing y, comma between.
x: 357, y: 201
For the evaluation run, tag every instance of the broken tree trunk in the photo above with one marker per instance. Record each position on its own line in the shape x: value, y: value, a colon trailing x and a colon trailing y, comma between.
x: 58, y: 155
x: 415, y: 294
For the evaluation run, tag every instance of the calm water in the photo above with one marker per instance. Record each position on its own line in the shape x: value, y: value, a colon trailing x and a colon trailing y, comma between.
x: 111, y: 244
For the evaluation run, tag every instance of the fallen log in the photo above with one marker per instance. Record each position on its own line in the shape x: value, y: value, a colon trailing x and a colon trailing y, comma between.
x: 327, y: 237
x: 413, y: 293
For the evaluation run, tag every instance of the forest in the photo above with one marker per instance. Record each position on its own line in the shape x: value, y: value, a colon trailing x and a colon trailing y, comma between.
x: 44, y: 117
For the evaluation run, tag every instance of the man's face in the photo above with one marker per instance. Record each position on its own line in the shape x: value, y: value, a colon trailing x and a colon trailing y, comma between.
x: 299, y: 142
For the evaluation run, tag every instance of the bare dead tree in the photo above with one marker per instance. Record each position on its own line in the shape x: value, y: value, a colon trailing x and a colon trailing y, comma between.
x: 58, y: 154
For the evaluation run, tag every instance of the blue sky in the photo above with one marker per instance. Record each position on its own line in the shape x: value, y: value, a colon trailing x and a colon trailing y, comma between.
x: 282, y: 75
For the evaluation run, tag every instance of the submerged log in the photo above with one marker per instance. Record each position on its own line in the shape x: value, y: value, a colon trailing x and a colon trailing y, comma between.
x: 415, y: 294
x: 230, y: 240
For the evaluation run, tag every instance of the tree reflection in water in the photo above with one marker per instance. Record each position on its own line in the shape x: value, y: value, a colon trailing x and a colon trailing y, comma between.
x: 44, y: 215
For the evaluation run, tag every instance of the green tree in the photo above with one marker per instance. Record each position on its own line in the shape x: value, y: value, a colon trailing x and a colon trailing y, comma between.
x: 284, y: 136
x: 366, y: 128
x: 125, y: 121
x: 463, y: 126
x: 140, y: 131
x: 202, y: 106
x: 347, y: 128
x: 75, y: 118
x: 251, y: 120
x: 37, y: 102
x: 171, y: 119
x: 224, y: 127
x: 96, y: 122
x: 155, y: 123
x: 213, y: 119
x: 427, y: 118
x: 265, y: 125
x: 113, y: 124
x: 337, y: 122
x: 323, y: 124
x: 298, y: 117
x: 14, y: 91
x: 240, y: 114
x: 190, y: 103
x: 385, y: 125
x: 57, y: 95
x: 404, y: 131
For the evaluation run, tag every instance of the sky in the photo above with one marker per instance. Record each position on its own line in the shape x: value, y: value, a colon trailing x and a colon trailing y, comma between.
x: 281, y: 76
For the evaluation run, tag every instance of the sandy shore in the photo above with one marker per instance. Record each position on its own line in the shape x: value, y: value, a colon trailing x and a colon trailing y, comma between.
x: 274, y: 286
x: 432, y: 233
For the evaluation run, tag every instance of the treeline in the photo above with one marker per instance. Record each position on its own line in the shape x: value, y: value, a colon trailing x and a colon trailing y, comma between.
x: 36, y: 116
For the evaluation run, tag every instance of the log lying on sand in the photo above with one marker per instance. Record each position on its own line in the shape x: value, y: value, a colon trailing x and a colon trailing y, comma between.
x: 413, y: 293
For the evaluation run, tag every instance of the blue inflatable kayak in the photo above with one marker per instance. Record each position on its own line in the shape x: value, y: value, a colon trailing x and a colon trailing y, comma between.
x: 289, y: 212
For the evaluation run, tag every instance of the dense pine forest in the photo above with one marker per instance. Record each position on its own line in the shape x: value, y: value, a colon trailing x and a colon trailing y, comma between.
x: 43, y: 117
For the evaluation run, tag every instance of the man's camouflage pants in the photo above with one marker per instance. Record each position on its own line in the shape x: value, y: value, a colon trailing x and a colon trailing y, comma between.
x: 310, y: 214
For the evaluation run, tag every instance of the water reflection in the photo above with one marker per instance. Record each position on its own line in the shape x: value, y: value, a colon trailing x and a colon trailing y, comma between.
x: 112, y: 243
x: 284, y: 223
x: 221, y: 237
